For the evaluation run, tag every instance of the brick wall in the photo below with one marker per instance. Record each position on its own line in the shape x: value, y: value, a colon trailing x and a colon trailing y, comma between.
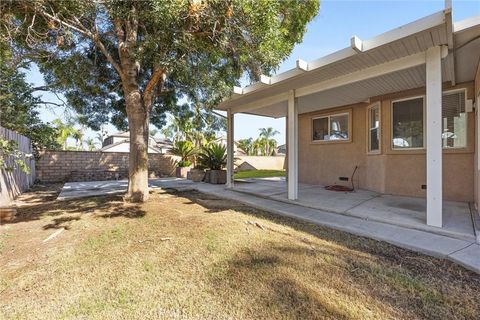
x: 59, y: 166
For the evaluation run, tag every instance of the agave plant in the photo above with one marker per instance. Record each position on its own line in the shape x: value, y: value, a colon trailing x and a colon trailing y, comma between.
x: 184, y: 150
x: 213, y: 156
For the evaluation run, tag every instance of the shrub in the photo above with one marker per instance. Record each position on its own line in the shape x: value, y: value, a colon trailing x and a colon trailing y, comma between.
x: 213, y: 156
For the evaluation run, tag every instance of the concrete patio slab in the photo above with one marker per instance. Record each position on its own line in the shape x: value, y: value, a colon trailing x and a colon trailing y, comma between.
x: 407, y: 212
x: 410, y: 212
x: 464, y: 252
x: 72, y: 190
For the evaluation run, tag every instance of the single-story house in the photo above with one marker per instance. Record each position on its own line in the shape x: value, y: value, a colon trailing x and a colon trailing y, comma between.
x: 402, y: 107
x: 120, y: 142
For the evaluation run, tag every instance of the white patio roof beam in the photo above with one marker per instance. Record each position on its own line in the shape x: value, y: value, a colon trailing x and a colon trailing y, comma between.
x: 364, y: 74
x: 360, y: 75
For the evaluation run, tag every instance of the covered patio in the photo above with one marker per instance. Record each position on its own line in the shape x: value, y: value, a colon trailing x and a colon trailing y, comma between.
x: 422, y: 55
x: 406, y: 212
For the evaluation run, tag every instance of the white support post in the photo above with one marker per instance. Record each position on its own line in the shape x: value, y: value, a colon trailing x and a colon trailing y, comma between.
x: 230, y: 148
x: 434, y: 137
x: 292, y: 145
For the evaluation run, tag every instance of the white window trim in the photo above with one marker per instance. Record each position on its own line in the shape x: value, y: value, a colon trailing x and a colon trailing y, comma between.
x: 466, y: 118
x: 329, y: 115
x: 369, y: 108
x: 424, y: 124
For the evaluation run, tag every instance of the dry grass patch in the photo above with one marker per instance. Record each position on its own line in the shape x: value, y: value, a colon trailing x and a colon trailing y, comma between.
x: 193, y: 256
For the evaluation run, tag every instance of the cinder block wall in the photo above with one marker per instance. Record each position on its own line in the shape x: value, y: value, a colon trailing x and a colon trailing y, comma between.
x: 60, y: 166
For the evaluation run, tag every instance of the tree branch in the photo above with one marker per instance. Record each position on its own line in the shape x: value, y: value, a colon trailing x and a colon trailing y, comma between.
x: 94, y: 36
x: 157, y: 76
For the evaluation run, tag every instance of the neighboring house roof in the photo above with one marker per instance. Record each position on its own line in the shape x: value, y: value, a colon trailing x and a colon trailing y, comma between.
x: 155, y: 143
x: 120, y: 134
x: 391, y: 62
x: 166, y: 142
x: 127, y: 142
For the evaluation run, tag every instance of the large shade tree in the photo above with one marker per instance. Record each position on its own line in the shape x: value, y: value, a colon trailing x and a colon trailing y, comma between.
x: 133, y: 60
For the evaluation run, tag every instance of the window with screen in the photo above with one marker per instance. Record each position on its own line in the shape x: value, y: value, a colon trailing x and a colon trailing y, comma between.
x: 408, y: 124
x: 454, y: 120
x: 333, y: 127
x: 374, y: 129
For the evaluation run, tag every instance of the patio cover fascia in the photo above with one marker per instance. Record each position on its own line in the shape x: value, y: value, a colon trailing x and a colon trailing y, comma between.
x: 357, y: 69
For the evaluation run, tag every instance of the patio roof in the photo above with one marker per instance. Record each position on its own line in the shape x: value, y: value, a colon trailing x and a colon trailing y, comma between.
x: 391, y: 62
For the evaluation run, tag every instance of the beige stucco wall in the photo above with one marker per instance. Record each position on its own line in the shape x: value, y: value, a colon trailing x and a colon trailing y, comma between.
x: 261, y: 162
x: 476, y: 168
x: 391, y: 171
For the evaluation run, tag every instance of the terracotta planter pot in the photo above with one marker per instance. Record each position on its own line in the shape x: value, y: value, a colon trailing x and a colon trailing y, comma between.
x: 216, y: 176
x: 181, y: 172
x: 197, y: 175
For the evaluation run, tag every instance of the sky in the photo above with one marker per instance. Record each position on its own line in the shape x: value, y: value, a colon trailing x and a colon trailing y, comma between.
x: 331, y: 30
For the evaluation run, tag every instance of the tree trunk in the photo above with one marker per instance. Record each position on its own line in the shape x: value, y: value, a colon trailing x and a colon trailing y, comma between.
x: 138, y: 120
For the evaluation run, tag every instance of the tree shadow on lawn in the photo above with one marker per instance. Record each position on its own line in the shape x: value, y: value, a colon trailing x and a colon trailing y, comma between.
x: 406, y: 282
x: 37, y: 205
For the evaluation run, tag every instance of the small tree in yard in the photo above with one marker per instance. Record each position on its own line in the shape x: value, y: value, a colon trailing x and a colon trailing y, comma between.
x: 119, y: 60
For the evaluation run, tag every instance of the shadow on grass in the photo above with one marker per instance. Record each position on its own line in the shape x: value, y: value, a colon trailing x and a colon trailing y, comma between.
x: 39, y: 204
x: 399, y: 279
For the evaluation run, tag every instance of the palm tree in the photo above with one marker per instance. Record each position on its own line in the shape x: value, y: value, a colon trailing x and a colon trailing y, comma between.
x: 247, y: 146
x: 65, y: 131
x: 258, y: 147
x: 90, y: 144
x: 267, y: 134
x: 99, y: 137
x: 78, y: 136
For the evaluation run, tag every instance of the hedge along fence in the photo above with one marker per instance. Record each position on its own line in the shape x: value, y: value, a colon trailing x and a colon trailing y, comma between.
x: 62, y: 166
x: 13, y: 183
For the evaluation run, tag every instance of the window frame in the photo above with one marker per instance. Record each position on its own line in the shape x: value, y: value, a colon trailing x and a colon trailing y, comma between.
x: 369, y: 108
x: 424, y: 97
x: 348, y: 113
x: 392, y: 147
x: 464, y: 90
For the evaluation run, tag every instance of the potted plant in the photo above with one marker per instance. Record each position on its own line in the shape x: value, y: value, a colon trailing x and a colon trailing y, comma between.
x: 184, y: 150
x: 197, y: 173
x: 214, y: 157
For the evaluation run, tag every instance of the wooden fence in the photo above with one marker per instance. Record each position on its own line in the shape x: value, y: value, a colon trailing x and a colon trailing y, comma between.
x: 13, y: 183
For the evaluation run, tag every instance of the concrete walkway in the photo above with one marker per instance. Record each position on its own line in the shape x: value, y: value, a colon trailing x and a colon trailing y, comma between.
x: 461, y: 251
x: 407, y: 212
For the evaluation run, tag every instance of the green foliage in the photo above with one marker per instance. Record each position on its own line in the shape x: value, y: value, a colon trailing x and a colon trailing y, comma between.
x: 19, y: 107
x: 203, y: 48
x: 184, y: 150
x: 9, y: 150
x: 66, y: 130
x: 193, y: 124
x: 247, y: 146
x: 259, y: 174
x: 213, y: 156
x: 264, y: 145
x: 90, y: 144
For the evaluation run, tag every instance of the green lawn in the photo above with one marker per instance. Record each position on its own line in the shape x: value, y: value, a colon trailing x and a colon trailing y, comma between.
x: 259, y: 174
